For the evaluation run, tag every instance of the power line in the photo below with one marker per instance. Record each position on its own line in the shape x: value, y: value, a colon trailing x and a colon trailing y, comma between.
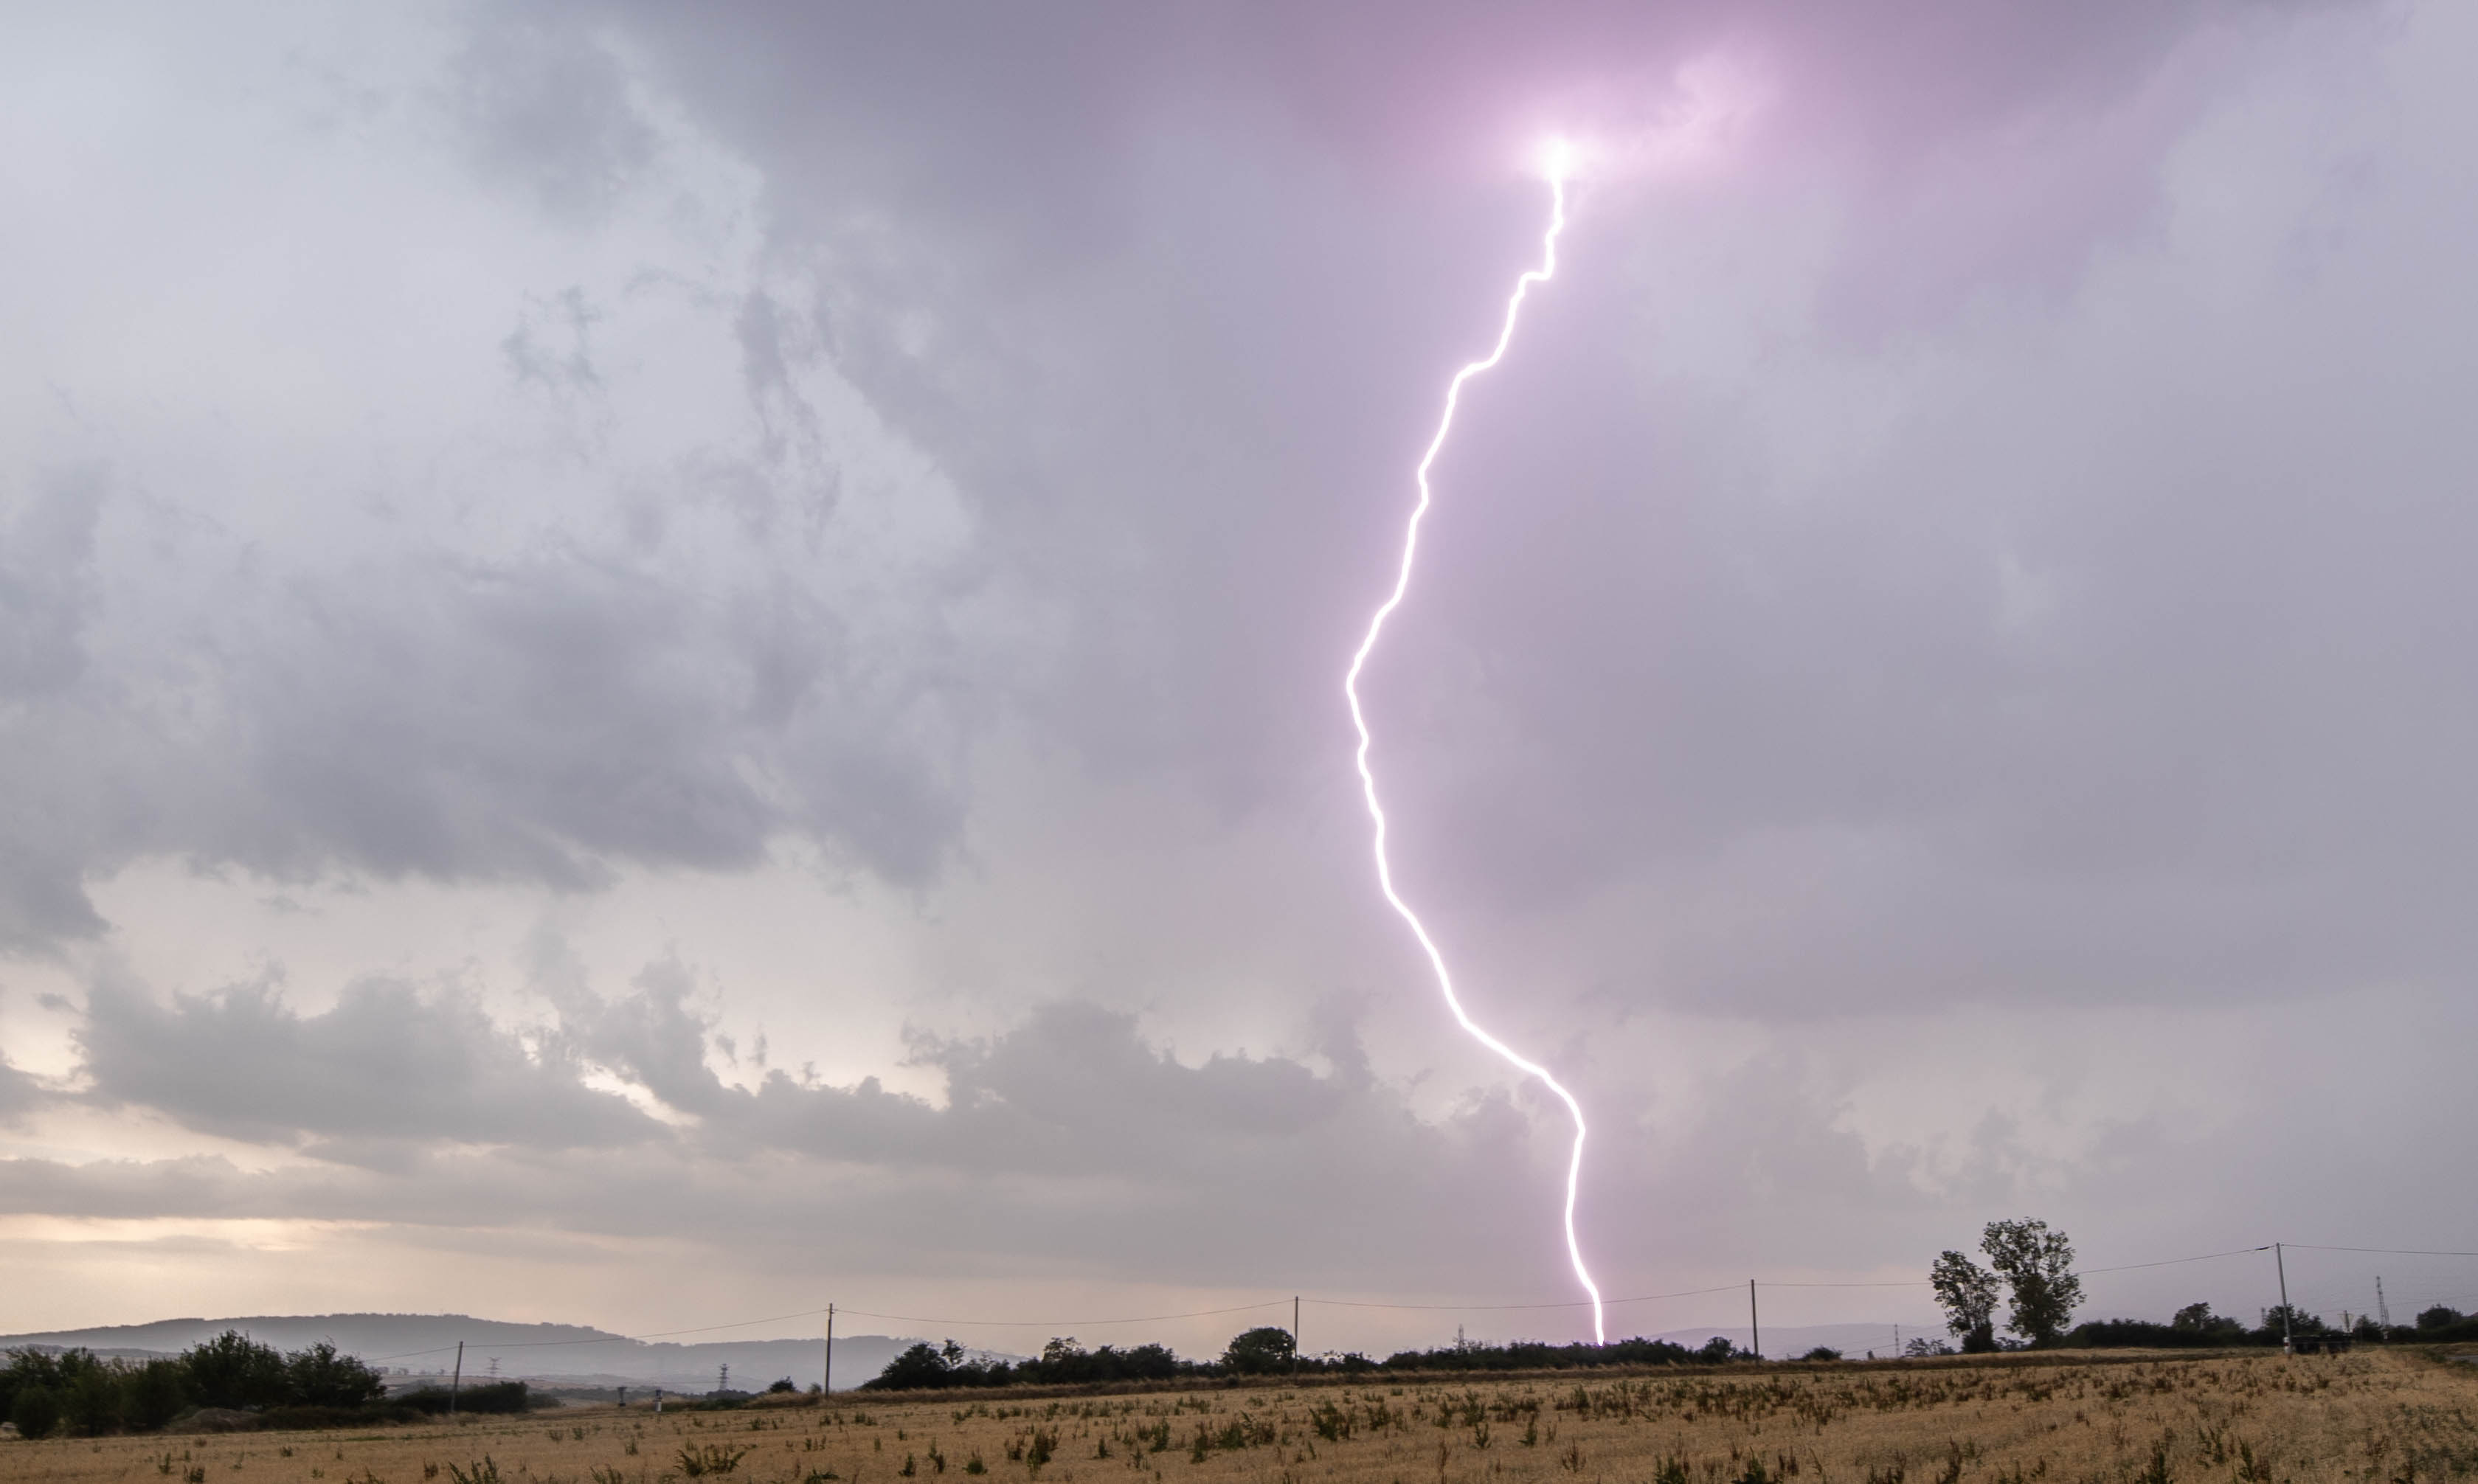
x: 1482, y: 1308
x: 2385, y: 1251
x: 1142, y: 1319
x: 436, y: 1350
x: 1880, y: 1283
x: 2171, y: 1262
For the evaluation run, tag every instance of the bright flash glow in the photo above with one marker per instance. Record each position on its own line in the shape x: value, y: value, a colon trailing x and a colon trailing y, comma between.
x: 1557, y: 159
x: 1558, y: 163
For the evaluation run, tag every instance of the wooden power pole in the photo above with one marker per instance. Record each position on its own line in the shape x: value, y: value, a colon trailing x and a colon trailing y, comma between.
x: 2280, y: 1261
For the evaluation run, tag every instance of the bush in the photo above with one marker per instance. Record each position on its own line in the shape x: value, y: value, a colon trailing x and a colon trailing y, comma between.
x: 1537, y: 1355
x: 1822, y: 1352
x: 2150, y: 1334
x: 495, y: 1397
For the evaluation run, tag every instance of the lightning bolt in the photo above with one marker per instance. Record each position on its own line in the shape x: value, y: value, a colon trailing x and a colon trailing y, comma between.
x: 1558, y: 162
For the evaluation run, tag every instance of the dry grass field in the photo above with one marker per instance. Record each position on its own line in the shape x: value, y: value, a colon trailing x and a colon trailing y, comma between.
x: 2249, y: 1419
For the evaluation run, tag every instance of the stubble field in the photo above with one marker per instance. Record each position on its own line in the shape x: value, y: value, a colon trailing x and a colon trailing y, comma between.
x: 2252, y: 1419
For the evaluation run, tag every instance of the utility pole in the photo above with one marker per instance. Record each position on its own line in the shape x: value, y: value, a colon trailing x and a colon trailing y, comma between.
x: 827, y: 1387
x: 2383, y: 1310
x: 458, y: 1380
x: 2280, y: 1261
x: 1295, y: 1334
x: 1754, y: 1326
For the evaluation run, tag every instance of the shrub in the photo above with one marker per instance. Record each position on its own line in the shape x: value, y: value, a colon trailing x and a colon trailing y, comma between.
x: 2194, y: 1325
x: 496, y: 1397
x: 697, y: 1460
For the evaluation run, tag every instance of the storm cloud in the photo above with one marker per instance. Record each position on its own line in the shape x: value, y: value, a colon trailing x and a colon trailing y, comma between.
x: 627, y: 631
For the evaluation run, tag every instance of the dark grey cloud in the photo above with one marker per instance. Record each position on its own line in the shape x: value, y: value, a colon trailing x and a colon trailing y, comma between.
x: 1069, y: 1129
x: 2028, y: 691
x: 540, y: 716
x: 48, y: 595
x: 46, y: 583
x: 1072, y: 1143
x: 384, y: 1069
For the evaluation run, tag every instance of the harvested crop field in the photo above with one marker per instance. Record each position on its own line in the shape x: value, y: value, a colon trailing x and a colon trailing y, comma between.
x: 2251, y: 1419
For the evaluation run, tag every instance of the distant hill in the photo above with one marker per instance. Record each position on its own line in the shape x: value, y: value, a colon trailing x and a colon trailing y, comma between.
x: 422, y: 1345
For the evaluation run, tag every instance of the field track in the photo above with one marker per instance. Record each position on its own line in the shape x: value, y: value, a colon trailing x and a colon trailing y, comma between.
x: 2247, y: 1418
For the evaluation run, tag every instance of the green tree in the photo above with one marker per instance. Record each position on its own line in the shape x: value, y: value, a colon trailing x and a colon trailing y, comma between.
x: 90, y: 1403
x: 153, y: 1394
x: 233, y: 1370
x: 321, y: 1377
x: 36, y: 1412
x: 1968, y: 1293
x: 26, y: 1368
x: 2038, y: 1265
x: 1259, y: 1351
x: 2283, y: 1320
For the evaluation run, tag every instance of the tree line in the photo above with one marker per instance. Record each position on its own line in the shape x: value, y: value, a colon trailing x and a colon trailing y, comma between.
x: 2031, y: 1266
x: 2028, y: 1277
x: 1266, y: 1350
x: 77, y: 1391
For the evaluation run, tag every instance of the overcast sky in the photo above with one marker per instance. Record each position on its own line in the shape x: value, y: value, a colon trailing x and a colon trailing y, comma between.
x: 662, y: 662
